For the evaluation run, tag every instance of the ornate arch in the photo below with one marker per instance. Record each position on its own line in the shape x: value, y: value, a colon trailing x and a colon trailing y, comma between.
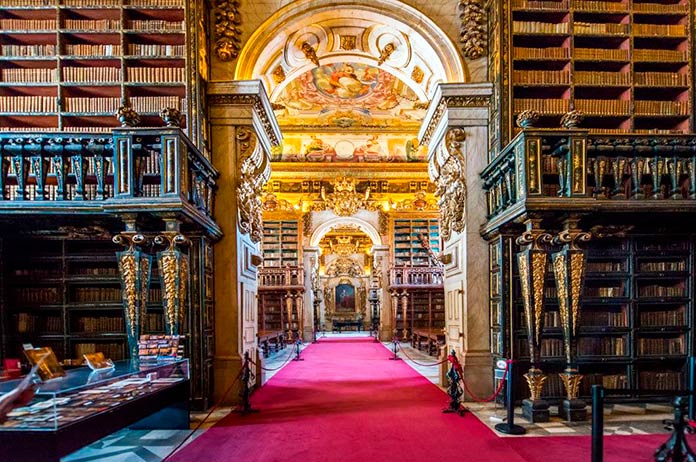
x: 328, y: 225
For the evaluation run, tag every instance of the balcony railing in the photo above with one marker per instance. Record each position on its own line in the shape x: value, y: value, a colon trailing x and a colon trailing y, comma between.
x: 414, y: 276
x: 545, y: 168
x: 156, y: 170
x: 289, y: 277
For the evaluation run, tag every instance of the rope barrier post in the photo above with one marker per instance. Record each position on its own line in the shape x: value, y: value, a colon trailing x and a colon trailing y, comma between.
x: 676, y: 449
x: 455, y: 374
x: 597, y: 423
x: 298, y: 342
x: 509, y: 427
x: 395, y: 343
x: 245, y: 392
x: 692, y: 388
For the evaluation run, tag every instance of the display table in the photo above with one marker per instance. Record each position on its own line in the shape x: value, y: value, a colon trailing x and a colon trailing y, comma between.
x: 429, y: 339
x: 71, y: 412
x: 340, y: 325
x: 271, y: 339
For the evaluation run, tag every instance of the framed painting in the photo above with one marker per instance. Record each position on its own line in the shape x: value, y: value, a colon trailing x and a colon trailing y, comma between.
x: 345, y: 298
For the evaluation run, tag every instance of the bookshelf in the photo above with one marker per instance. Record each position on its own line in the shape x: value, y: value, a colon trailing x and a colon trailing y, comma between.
x: 272, y: 310
x: 66, y: 294
x: 280, y: 243
x: 626, y: 64
x: 69, y: 65
x: 407, y: 247
x: 635, y: 326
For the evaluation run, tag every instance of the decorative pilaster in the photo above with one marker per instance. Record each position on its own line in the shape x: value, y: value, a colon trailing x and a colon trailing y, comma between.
x: 174, y: 272
x: 135, y: 268
x: 404, y: 315
x: 532, y: 263
x: 569, y: 271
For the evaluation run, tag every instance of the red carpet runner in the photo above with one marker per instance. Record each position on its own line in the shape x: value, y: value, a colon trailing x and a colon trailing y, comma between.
x: 348, y: 402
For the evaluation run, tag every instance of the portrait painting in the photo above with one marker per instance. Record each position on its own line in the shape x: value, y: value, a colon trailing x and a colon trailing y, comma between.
x: 345, y: 298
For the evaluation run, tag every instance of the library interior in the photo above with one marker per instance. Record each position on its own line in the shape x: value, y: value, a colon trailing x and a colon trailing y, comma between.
x: 347, y: 230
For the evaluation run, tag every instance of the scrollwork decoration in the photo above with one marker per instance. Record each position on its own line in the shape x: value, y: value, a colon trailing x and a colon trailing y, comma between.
x: 227, y: 31
x: 254, y: 173
x: 174, y: 271
x: 451, y: 185
x: 473, y: 28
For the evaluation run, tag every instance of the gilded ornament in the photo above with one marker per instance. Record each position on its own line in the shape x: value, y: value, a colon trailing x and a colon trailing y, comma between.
x: 310, y: 52
x: 535, y: 380
x: 127, y: 117
x: 417, y: 74
x: 348, y: 42
x: 171, y: 116
x: 572, y: 119
x: 386, y: 52
x: 254, y: 173
x: 473, y: 28
x: 278, y: 75
x: 174, y: 272
x: 449, y: 179
x: 527, y: 119
x: 571, y: 381
x: 227, y: 31
x: 345, y: 201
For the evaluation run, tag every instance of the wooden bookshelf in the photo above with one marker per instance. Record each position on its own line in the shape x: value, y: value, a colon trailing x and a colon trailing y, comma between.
x: 635, y: 326
x: 280, y: 243
x: 625, y: 63
x: 69, y: 65
x: 408, y: 250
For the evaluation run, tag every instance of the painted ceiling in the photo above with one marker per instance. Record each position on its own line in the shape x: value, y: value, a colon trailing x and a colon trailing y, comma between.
x: 348, y: 95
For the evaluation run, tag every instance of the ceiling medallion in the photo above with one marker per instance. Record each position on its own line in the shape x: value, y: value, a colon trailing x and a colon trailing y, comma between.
x: 345, y: 200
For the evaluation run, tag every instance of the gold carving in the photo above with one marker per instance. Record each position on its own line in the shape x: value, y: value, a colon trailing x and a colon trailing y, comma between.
x: 535, y: 380
x: 344, y: 246
x: 345, y: 200
x: 253, y: 175
x: 271, y: 203
x: 527, y: 119
x: 571, y: 380
x: 450, y: 181
x: 307, y: 224
x: 278, y: 75
x: 227, y: 31
x: 572, y: 119
x: 559, y: 268
x: 385, y: 53
x: 473, y: 28
x: 127, y: 116
x: 417, y: 75
x: 174, y: 272
x: 348, y: 42
x: 523, y: 268
x: 419, y: 202
x: 310, y: 53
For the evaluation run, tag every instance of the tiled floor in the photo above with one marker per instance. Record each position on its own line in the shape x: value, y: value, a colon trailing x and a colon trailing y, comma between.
x: 152, y: 445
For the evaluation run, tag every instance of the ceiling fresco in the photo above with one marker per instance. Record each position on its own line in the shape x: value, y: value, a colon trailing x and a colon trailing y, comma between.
x: 348, y: 95
x: 350, y: 147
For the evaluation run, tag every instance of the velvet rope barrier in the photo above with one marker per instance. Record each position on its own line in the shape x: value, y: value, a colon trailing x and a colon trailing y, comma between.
x: 471, y: 394
x: 285, y: 361
x: 421, y: 364
x: 212, y: 409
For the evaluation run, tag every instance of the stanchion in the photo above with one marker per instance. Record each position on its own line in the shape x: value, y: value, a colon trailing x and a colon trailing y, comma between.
x: 454, y: 390
x: 245, y: 392
x: 692, y: 388
x: 509, y: 427
x: 298, y: 342
x: 597, y: 423
x: 395, y: 343
x: 676, y: 449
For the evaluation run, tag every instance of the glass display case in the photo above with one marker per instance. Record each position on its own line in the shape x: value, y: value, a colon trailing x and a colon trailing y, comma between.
x: 70, y: 412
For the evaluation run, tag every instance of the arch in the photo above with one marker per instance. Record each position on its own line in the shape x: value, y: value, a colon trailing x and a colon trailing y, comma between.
x: 361, y: 224
x: 420, y: 42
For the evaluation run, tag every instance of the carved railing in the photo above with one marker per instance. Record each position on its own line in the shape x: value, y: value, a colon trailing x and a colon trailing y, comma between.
x: 414, y: 276
x: 550, y: 166
x: 158, y: 170
x: 288, y: 277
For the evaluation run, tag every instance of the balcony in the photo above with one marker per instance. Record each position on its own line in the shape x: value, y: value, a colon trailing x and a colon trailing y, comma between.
x: 287, y: 278
x: 157, y: 171
x: 405, y: 277
x: 575, y: 171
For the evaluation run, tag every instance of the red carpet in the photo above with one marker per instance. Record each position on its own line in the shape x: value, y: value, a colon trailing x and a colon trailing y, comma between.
x: 348, y: 402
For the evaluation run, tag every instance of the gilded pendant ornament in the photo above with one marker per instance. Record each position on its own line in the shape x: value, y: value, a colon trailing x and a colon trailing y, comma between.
x: 254, y: 172
x: 473, y: 28
x: 386, y: 52
x: 134, y: 270
x: 310, y: 52
x: 174, y: 273
x: 227, y: 31
x: 535, y: 381
x: 449, y: 174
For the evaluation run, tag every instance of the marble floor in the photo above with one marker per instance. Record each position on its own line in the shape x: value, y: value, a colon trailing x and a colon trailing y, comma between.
x: 153, y: 445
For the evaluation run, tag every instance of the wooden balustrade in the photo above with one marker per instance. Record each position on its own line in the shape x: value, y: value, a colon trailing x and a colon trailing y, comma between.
x: 414, y: 276
x: 289, y: 277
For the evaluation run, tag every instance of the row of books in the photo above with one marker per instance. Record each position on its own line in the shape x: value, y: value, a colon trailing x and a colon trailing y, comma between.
x: 100, y: 324
x: 601, y: 54
x: 660, y: 8
x: 39, y: 272
x: 662, y: 291
x: 114, y: 351
x: 92, y: 74
x: 154, y: 103
x: 659, y: 55
x: 541, y: 53
x: 29, y: 323
x: 603, y: 318
x: 537, y: 27
x: 38, y: 295
x: 602, y: 78
x: 156, y: 25
x: 670, y: 30
x: 28, y: 104
x: 670, y: 380
x: 541, y: 77
x: 605, y: 291
x: 93, y: 24
x: 105, y: 271
x: 605, y: 266
x: 594, y: 5
x: 85, y: 49
x: 28, y: 50
x: 28, y: 75
x: 661, y: 346
x: 601, y: 346
x: 662, y: 318
x: 150, y: 190
x: 156, y: 74
x: 541, y: 4
x: 156, y: 49
x: 580, y: 27
x: 51, y: 191
x: 603, y: 106
x: 28, y: 24
x: 661, y: 78
x: 549, y: 105
x: 663, y: 266
x: 97, y: 294
x: 662, y: 107
x: 611, y: 381
x: 91, y: 104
